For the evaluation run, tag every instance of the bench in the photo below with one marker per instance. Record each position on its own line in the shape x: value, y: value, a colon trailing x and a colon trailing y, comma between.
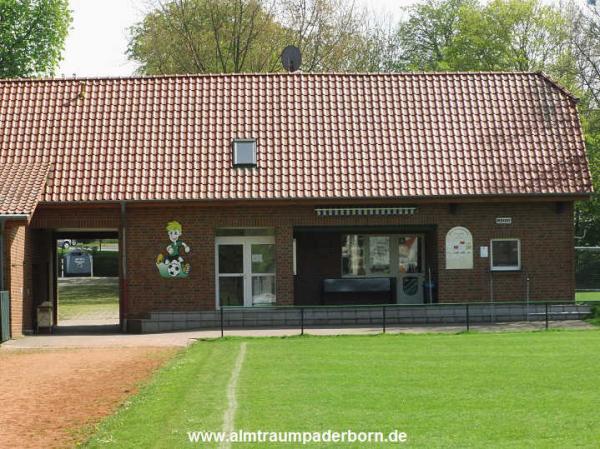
x: 358, y: 285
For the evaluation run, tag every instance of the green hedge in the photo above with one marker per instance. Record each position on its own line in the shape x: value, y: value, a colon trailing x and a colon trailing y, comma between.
x: 106, y: 263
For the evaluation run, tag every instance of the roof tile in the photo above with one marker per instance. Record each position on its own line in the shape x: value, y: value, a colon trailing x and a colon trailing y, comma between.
x: 21, y: 186
x: 319, y: 136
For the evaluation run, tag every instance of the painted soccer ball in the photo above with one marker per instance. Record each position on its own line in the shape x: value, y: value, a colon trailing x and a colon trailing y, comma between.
x: 174, y: 268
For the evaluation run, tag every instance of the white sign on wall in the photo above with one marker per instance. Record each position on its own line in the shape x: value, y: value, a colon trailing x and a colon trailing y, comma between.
x: 459, y: 249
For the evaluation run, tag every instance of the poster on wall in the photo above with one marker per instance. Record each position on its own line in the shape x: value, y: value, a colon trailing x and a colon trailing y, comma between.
x: 459, y: 249
x: 172, y: 264
x: 379, y: 254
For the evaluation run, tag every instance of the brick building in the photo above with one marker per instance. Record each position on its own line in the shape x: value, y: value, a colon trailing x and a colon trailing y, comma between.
x: 293, y: 189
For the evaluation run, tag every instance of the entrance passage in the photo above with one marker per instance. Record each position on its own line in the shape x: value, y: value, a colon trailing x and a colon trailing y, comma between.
x: 245, y: 267
x: 87, y: 279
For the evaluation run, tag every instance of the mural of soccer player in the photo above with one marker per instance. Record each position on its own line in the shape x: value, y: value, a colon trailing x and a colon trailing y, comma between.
x: 173, y: 264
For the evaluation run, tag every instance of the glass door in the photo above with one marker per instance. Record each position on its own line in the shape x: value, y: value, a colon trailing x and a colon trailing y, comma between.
x: 230, y: 274
x: 262, y: 262
x: 409, y: 286
x: 245, y: 271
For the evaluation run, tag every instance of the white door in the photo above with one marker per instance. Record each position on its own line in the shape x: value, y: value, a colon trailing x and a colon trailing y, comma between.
x: 245, y: 271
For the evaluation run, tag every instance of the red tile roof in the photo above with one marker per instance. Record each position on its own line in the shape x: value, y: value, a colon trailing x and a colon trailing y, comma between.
x: 321, y: 136
x: 21, y: 186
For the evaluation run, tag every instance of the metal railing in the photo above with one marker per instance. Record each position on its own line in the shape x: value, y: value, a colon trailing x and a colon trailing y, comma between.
x: 386, y: 316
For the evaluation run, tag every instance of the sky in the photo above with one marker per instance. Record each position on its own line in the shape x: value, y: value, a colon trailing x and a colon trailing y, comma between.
x: 97, y: 41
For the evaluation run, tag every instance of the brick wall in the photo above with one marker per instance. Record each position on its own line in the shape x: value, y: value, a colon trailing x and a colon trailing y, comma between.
x: 147, y: 237
x: 546, y: 235
x: 98, y: 217
x: 547, y: 253
x: 18, y: 276
x: 28, y: 254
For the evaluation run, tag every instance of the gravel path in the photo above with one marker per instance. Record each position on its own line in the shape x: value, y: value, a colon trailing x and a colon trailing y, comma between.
x: 52, y: 399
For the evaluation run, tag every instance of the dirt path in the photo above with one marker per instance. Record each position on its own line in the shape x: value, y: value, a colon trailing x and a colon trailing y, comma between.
x: 52, y: 398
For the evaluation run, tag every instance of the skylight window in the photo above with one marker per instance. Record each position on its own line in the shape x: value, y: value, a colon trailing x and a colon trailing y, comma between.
x: 244, y: 152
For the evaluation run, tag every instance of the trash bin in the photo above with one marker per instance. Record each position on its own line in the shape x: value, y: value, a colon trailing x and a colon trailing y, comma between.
x: 78, y: 263
x: 44, y: 317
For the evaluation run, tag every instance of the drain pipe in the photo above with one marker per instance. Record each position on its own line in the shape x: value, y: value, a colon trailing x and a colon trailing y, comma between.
x: 492, y: 301
x: 527, y: 292
x: 123, y: 252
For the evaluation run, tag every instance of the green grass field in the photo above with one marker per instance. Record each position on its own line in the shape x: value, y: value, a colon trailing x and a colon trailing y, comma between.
x: 587, y: 296
x: 88, y: 298
x: 512, y: 390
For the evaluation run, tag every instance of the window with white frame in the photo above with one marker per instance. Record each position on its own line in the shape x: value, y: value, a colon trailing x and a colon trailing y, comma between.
x: 244, y: 152
x: 505, y: 254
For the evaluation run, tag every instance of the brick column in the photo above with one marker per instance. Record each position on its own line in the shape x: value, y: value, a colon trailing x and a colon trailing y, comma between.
x: 18, y: 278
x: 284, y: 236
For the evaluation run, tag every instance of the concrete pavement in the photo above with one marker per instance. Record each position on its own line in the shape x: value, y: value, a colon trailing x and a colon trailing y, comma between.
x: 108, y: 336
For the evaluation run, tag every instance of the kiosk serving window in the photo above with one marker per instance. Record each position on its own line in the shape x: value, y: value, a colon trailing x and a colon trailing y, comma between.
x: 366, y: 255
x: 381, y: 255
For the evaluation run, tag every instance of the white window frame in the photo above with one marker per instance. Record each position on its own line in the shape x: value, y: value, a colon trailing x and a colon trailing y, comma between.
x: 236, y: 163
x: 246, y: 274
x: 508, y: 268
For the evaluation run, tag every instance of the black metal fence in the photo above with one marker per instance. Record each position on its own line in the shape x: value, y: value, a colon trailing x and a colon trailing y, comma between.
x: 587, y: 268
x: 386, y: 316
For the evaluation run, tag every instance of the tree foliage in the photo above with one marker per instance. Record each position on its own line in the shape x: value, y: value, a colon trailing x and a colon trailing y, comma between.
x: 32, y: 36
x: 204, y: 36
x: 524, y: 35
x: 585, y: 43
x: 465, y: 35
x: 428, y: 32
x: 333, y: 35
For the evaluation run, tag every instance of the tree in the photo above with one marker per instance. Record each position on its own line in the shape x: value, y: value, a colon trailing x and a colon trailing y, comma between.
x: 465, y: 35
x: 202, y: 36
x: 587, y: 218
x: 207, y: 36
x: 333, y: 35
x: 585, y: 40
x: 428, y: 31
x: 32, y: 36
x: 585, y: 43
x: 524, y: 35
